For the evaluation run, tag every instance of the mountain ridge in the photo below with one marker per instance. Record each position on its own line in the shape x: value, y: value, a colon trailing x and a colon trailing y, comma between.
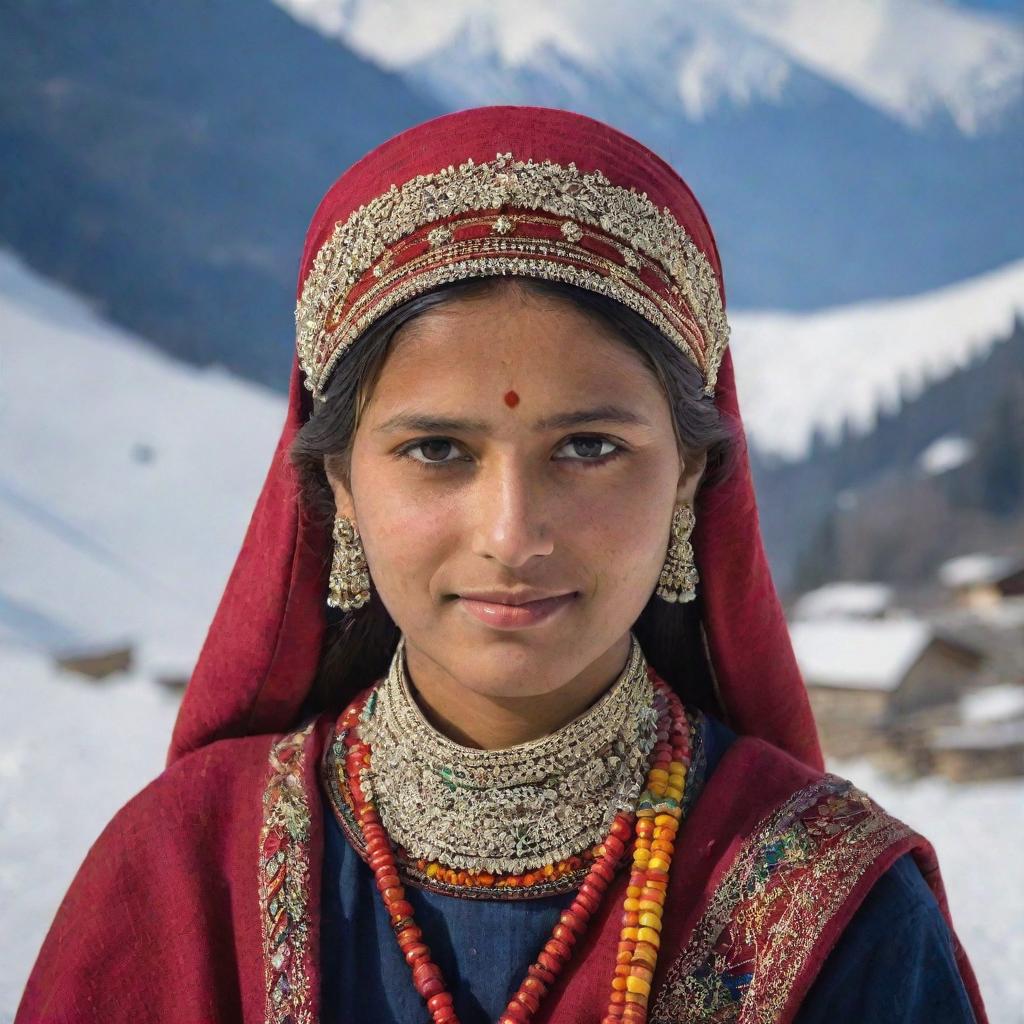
x: 910, y: 59
x: 818, y: 195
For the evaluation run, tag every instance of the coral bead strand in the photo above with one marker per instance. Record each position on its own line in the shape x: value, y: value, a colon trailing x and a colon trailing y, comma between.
x: 653, y: 830
x: 659, y: 811
x: 557, y: 951
x: 426, y: 975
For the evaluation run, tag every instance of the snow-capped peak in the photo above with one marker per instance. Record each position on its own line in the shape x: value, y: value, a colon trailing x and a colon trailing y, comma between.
x: 911, y: 59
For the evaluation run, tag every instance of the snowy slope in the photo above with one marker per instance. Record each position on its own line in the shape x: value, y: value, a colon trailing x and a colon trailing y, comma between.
x: 799, y: 371
x: 126, y: 480
x: 910, y: 59
x: 72, y: 754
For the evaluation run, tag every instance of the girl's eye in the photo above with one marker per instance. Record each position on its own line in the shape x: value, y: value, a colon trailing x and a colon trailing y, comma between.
x: 435, y: 452
x: 592, y: 449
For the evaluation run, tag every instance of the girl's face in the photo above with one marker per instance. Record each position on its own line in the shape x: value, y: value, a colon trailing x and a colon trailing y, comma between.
x: 512, y: 450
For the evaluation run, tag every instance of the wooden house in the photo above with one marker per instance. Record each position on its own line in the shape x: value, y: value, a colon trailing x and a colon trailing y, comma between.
x: 982, y: 580
x: 865, y: 677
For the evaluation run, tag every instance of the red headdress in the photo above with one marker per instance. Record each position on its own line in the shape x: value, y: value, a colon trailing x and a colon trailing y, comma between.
x: 506, y: 189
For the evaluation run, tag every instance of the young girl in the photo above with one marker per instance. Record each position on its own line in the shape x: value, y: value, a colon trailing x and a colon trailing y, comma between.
x: 499, y: 718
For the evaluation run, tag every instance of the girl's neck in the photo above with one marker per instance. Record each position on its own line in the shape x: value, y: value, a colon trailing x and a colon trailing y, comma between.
x: 491, y: 722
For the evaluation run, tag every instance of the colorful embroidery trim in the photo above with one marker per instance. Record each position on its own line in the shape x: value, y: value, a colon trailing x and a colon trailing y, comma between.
x: 787, y: 882
x: 284, y: 884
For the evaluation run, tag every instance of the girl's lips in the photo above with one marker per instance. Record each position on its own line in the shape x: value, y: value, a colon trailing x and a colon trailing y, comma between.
x: 516, y: 616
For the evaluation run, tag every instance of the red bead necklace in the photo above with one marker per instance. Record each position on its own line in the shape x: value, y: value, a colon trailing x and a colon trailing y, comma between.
x: 653, y: 828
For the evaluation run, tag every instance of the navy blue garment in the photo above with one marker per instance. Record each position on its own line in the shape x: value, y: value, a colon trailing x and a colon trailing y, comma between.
x: 367, y: 981
x: 893, y: 963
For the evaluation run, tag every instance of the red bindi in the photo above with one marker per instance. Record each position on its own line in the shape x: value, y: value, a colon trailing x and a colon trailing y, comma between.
x: 511, y: 399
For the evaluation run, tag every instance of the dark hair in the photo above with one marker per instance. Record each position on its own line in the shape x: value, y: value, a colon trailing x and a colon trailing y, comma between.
x: 358, y: 645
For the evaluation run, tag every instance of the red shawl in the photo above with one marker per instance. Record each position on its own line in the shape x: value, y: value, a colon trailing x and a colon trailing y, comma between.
x: 200, y: 901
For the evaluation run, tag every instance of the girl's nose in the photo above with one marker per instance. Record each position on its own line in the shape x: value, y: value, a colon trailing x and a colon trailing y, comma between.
x: 511, y: 523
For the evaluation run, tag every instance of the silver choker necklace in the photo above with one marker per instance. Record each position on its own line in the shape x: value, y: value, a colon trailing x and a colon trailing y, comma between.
x: 510, y: 810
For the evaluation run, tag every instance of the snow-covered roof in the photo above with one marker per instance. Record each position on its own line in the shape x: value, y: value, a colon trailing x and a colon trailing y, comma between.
x: 862, y: 600
x: 944, y: 454
x: 868, y: 654
x: 979, y: 736
x: 993, y: 703
x: 977, y: 568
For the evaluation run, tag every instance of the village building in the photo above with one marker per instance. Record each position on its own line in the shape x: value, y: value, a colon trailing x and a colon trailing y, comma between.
x: 987, y: 742
x: 96, y: 661
x: 983, y: 580
x: 873, y: 681
x: 844, y: 599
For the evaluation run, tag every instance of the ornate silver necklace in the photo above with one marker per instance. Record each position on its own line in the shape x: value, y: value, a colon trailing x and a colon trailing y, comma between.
x: 509, y: 810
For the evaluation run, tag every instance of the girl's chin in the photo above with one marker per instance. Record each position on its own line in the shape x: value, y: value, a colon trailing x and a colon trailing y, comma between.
x: 503, y: 671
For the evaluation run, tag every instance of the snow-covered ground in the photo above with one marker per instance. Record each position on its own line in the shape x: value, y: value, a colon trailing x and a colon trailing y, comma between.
x: 72, y: 752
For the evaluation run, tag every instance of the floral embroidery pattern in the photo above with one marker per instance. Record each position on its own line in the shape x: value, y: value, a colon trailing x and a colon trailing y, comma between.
x: 284, y: 884
x: 788, y: 880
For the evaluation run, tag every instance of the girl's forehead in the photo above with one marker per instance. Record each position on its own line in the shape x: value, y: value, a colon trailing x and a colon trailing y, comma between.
x: 487, y: 337
x: 575, y: 373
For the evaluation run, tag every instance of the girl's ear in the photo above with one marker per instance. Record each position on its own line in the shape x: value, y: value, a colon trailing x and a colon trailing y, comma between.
x: 689, y: 479
x: 338, y: 477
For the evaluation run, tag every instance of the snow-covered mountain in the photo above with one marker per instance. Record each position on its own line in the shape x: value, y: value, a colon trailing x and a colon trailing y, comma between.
x: 801, y: 372
x: 916, y: 62
x: 165, y: 159
x: 126, y: 480
x: 843, y: 149
x: 910, y: 59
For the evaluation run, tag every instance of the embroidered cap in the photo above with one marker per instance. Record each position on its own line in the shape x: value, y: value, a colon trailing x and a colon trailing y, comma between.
x: 614, y: 219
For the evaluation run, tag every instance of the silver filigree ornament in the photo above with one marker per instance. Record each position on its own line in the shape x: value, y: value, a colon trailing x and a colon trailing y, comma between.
x: 511, y: 810
x: 585, y: 199
x: 349, y: 582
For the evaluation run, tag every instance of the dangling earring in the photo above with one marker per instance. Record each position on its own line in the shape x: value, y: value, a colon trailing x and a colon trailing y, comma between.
x: 679, y: 578
x: 349, y: 587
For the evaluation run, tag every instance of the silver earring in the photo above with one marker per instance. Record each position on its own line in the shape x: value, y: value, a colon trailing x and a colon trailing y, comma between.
x: 349, y: 586
x: 679, y: 577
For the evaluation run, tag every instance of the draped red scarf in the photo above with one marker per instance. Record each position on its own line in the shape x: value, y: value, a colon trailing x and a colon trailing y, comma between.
x: 178, y: 912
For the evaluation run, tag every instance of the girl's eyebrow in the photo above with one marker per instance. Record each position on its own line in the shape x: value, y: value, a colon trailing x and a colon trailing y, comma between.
x: 560, y: 421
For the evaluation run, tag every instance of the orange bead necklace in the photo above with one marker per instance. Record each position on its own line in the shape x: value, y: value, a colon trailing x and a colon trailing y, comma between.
x: 652, y: 827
